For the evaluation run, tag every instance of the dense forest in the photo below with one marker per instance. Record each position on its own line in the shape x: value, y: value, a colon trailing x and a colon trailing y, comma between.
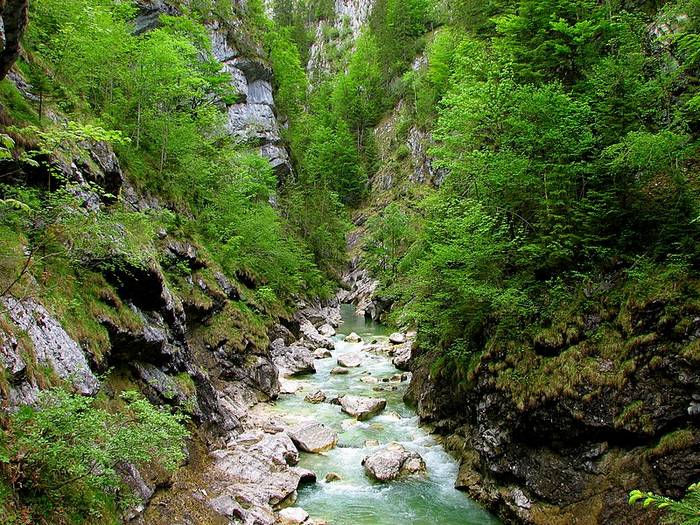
x: 520, y: 179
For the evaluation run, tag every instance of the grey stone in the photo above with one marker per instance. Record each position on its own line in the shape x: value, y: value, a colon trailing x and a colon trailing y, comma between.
x: 313, y: 437
x: 397, y: 338
x: 351, y: 360
x: 322, y: 353
x: 362, y: 408
x: 292, y: 360
x: 293, y: 516
x: 315, y: 397
x: 392, y: 462
x: 326, y: 330
x: 313, y: 337
x: 52, y: 345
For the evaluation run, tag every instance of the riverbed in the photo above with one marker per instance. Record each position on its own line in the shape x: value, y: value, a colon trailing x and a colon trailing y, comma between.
x: 355, y: 499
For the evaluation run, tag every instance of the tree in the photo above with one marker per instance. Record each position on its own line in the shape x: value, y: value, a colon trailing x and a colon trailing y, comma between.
x: 390, y: 235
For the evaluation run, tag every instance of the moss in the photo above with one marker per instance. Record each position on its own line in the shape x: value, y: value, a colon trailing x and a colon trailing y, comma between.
x: 85, y: 301
x: 237, y: 326
x: 15, y: 105
x: 674, y: 441
x: 186, y: 383
x: 635, y: 417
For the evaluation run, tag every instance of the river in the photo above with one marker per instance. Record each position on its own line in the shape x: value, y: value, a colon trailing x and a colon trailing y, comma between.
x: 355, y: 499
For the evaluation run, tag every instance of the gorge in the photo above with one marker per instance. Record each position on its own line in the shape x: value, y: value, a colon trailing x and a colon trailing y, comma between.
x: 349, y: 262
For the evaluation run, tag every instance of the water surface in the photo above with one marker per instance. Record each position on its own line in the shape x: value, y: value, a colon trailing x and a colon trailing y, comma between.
x: 355, y: 499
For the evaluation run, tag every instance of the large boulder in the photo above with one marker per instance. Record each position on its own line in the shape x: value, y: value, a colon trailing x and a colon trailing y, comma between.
x: 326, y: 330
x: 315, y: 339
x: 319, y: 396
x: 351, y: 360
x: 313, y: 437
x: 322, y: 353
x: 362, y: 408
x: 397, y: 338
x: 292, y: 360
x: 402, y: 356
x: 392, y: 462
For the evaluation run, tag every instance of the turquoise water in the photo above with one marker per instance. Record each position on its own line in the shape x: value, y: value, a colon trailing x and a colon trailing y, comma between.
x: 355, y: 500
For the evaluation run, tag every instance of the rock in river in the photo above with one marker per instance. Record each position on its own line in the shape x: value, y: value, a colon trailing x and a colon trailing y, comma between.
x: 397, y: 338
x: 392, y: 462
x: 350, y: 360
x: 322, y: 353
x: 353, y: 338
x: 326, y: 330
x: 293, y: 516
x: 362, y: 408
x: 315, y: 397
x: 339, y: 371
x: 313, y: 437
x: 292, y: 360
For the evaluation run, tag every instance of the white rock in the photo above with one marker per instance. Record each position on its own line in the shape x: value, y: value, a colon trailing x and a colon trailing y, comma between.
x: 293, y: 516
x: 397, y: 338
x: 350, y: 360
x: 362, y: 408
x: 326, y: 330
x: 392, y: 462
x: 322, y: 353
x: 313, y: 437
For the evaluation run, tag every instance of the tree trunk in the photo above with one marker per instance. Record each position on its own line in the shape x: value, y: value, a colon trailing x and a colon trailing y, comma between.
x: 14, y: 20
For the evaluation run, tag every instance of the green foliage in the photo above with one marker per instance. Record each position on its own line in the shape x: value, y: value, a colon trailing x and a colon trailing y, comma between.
x: 390, y: 234
x: 683, y: 512
x: 398, y: 25
x: 63, y: 457
x: 357, y: 95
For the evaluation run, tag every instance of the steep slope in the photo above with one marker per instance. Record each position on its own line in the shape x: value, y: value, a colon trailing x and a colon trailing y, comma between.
x: 109, y: 285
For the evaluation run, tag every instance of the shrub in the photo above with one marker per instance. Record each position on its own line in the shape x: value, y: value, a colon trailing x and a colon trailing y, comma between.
x: 61, y: 458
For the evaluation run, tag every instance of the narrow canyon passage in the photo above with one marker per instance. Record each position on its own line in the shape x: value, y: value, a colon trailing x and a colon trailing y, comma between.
x: 354, y: 499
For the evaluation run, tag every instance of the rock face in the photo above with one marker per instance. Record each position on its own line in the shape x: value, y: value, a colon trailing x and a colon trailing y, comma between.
x: 313, y: 437
x: 576, y: 457
x: 392, y: 462
x: 362, y: 408
x: 350, y: 360
x: 52, y: 346
x: 360, y: 291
